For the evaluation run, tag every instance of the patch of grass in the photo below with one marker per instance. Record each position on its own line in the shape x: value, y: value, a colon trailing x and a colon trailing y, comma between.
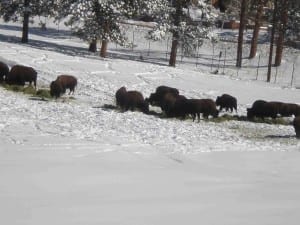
x: 29, y: 90
x: 15, y: 88
x: 43, y: 93
x: 277, y: 121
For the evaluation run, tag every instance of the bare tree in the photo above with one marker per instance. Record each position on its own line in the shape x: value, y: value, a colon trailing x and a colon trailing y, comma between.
x: 274, y: 24
x: 258, y: 22
x: 241, y: 33
x: 25, y: 21
x: 178, y: 14
x: 281, y: 31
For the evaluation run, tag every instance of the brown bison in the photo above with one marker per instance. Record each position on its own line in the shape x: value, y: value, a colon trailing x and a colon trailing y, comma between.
x: 194, y: 107
x: 20, y: 74
x: 171, y: 105
x: 156, y: 98
x: 289, y: 109
x: 296, y: 124
x: 61, y: 84
x: 227, y: 101
x: 131, y: 100
x: 258, y: 109
x: 4, y: 70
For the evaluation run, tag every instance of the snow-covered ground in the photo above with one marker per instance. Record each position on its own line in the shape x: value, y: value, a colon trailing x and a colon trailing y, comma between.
x: 74, y: 162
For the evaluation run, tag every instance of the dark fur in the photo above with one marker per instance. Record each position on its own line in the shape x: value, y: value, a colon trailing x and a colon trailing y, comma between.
x: 289, y: 109
x: 194, y: 107
x: 4, y: 70
x: 61, y: 84
x: 156, y: 98
x: 226, y: 101
x: 170, y: 104
x: 296, y: 124
x: 264, y: 109
x: 56, y: 89
x: 20, y: 74
x: 120, y: 95
x: 257, y: 109
x: 131, y: 100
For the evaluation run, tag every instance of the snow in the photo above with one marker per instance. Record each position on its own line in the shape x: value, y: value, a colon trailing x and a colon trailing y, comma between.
x: 71, y: 161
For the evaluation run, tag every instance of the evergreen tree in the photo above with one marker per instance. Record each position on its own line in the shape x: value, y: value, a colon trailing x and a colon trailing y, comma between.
x: 94, y: 20
x: 189, y: 22
x: 16, y: 10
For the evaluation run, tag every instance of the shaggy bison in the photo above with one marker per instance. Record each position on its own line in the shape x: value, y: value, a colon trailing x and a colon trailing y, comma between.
x: 156, y: 98
x: 171, y: 104
x: 182, y: 107
x: 263, y: 109
x: 20, y: 74
x: 131, y: 100
x: 62, y: 83
x: 296, y: 124
x: 227, y: 101
x: 4, y: 70
x: 289, y: 109
x: 207, y: 107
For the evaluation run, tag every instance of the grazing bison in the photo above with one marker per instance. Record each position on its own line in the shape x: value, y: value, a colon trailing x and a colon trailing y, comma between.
x: 194, y: 107
x: 4, y: 70
x: 56, y: 89
x: 131, y: 100
x: 62, y: 83
x: 20, y: 74
x: 264, y: 109
x: 289, y: 109
x: 205, y: 106
x: 296, y: 124
x: 257, y: 109
x: 155, y: 99
x: 227, y: 101
x: 120, y: 95
x: 171, y: 104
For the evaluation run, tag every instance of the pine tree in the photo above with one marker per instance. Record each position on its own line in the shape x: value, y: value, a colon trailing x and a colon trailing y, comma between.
x: 94, y: 20
x: 14, y: 10
x: 188, y: 30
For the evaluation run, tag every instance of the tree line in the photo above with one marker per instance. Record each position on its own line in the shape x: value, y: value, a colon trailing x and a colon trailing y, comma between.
x: 188, y: 21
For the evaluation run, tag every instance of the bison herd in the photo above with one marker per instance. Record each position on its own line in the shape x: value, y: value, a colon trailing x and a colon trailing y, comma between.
x: 20, y: 74
x: 173, y: 104
x: 167, y: 98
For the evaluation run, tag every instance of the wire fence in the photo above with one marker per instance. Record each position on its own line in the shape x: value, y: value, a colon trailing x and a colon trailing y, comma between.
x: 213, y: 58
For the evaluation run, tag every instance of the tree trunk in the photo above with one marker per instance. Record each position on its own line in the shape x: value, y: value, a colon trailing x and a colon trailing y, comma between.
x: 173, y: 54
x: 241, y: 33
x: 175, y: 41
x: 103, y: 50
x: 281, y: 31
x: 257, y: 26
x: 93, y: 46
x: 272, y: 41
x: 25, y: 22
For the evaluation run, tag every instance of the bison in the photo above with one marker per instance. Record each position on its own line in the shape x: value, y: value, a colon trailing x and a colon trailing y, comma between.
x: 131, y: 100
x: 226, y: 101
x: 120, y: 95
x: 296, y: 124
x: 62, y: 83
x: 194, y: 107
x: 289, y: 109
x: 171, y: 104
x: 20, y: 74
x: 155, y: 99
x: 264, y: 109
x: 4, y: 70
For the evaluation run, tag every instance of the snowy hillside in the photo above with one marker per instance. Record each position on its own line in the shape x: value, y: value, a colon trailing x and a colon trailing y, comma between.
x: 71, y: 161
